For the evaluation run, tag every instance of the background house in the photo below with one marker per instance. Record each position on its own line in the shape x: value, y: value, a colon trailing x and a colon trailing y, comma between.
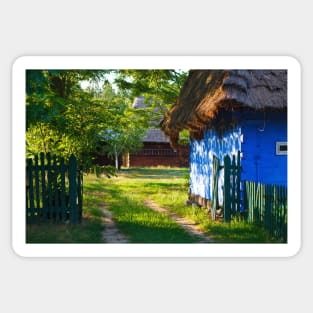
x: 156, y: 150
x: 227, y: 111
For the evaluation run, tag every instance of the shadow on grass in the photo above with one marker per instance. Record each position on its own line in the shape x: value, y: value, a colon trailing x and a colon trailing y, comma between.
x: 86, y: 232
x: 238, y: 232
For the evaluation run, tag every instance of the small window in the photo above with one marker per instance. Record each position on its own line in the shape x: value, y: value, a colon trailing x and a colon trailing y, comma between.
x: 281, y: 148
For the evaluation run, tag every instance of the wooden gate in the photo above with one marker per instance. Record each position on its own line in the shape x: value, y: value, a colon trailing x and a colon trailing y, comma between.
x: 53, y: 190
x: 231, y: 187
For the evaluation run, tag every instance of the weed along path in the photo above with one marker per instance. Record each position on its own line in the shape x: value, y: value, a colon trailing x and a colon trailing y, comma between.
x: 189, y: 226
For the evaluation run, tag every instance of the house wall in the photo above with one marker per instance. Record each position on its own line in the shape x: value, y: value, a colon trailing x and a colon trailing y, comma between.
x: 259, y: 160
x: 255, y: 136
x: 201, y: 159
x: 159, y: 154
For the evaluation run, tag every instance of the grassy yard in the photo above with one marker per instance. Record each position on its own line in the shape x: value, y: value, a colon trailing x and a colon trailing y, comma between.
x: 124, y: 196
x: 169, y: 188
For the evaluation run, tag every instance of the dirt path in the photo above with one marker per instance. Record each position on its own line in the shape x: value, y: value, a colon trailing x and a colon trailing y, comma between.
x: 189, y: 226
x: 111, y: 234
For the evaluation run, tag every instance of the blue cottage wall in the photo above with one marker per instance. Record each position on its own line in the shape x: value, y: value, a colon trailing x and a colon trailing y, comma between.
x: 201, y: 159
x: 260, y: 162
x: 255, y: 136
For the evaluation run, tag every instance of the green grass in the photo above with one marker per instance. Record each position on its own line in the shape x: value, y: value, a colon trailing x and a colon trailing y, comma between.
x: 124, y: 196
x: 139, y: 223
x: 168, y: 187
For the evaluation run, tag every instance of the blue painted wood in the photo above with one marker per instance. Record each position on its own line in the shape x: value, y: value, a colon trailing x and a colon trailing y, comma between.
x: 255, y: 135
x: 260, y: 162
x: 201, y: 160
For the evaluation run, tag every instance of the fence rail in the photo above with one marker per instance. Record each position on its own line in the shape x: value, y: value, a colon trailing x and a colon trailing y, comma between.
x: 266, y: 205
x: 53, y: 190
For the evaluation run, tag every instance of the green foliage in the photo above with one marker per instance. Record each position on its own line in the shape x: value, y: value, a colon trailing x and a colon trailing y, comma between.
x: 184, y: 137
x: 160, y: 87
x: 63, y: 118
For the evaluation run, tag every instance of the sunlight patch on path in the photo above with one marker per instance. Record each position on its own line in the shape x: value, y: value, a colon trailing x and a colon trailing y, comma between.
x: 189, y: 226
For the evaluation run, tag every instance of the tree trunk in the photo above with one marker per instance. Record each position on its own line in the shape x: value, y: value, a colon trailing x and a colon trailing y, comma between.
x: 116, y: 159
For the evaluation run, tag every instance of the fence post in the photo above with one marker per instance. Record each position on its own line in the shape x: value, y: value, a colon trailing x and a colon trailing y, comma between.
x: 233, y: 172
x: 238, y: 181
x: 80, y: 193
x: 56, y: 190
x: 43, y: 186
x: 36, y: 168
x: 49, y: 185
x: 31, y: 190
x: 216, y: 168
x: 63, y: 190
x: 227, y: 199
x: 72, y: 167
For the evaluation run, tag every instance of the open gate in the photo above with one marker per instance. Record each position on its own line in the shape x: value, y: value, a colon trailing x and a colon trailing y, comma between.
x: 231, y: 200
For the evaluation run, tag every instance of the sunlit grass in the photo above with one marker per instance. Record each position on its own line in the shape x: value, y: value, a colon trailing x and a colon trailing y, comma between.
x: 124, y: 196
x: 168, y: 188
x: 139, y: 223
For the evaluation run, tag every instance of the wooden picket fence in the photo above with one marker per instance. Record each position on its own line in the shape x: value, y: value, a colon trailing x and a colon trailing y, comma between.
x: 266, y: 205
x: 53, y: 190
x: 258, y: 203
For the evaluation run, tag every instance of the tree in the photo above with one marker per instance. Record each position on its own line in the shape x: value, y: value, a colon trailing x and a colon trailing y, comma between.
x: 64, y: 118
x: 61, y: 117
x: 160, y: 89
x: 127, y: 125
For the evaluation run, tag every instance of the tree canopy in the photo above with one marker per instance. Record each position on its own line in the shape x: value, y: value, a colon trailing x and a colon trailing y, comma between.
x: 65, y: 118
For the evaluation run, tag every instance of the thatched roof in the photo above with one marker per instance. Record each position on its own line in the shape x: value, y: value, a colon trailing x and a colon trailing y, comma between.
x: 155, y: 135
x: 207, y: 92
x: 152, y: 134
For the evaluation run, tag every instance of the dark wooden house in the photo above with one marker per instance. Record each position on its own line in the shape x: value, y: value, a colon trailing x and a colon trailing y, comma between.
x: 156, y: 150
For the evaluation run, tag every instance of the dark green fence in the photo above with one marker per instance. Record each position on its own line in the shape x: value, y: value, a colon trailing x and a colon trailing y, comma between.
x: 232, y: 177
x: 53, y: 190
x: 231, y: 188
x: 266, y: 205
x: 262, y: 204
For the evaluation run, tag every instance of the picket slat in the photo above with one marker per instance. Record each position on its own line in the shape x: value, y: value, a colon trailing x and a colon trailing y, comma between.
x: 63, y: 190
x: 215, y: 203
x: 72, y: 188
x: 267, y: 206
x: 227, y: 192
x: 49, y: 187
x: 43, y: 187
